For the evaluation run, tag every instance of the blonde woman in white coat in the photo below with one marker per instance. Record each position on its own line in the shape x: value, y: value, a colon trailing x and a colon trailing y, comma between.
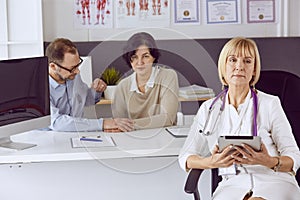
x: 269, y: 173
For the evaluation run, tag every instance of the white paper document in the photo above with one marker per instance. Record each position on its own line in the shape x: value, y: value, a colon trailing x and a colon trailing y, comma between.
x: 92, y: 142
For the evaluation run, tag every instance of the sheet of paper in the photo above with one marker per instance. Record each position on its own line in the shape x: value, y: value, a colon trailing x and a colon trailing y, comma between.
x: 107, y: 141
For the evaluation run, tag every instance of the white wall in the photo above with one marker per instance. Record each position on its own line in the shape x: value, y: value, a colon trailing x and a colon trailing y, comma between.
x: 58, y: 22
x: 294, y: 18
x: 21, y: 33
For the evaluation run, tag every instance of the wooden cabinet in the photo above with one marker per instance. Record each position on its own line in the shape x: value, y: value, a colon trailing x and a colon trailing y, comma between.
x: 21, y: 30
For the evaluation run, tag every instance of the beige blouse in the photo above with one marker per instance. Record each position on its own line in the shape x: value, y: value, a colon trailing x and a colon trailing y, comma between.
x: 157, y: 107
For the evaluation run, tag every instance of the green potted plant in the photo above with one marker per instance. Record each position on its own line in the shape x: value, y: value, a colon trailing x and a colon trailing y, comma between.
x: 111, y: 76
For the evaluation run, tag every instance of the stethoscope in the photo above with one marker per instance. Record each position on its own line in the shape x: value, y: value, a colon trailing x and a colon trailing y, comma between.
x: 206, y: 132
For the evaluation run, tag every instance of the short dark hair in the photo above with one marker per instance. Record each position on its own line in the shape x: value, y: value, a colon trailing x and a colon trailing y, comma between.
x: 136, y: 40
x: 57, y: 49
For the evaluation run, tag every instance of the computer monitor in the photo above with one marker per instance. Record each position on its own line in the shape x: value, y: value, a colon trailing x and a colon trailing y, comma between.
x: 24, y: 98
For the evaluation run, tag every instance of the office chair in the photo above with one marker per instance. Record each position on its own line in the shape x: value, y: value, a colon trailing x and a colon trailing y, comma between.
x: 286, y: 86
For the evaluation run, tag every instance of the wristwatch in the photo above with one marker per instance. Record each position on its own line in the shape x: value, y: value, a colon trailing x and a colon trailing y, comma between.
x: 278, y: 165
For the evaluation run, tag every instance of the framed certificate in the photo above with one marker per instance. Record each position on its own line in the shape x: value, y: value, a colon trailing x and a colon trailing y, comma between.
x: 260, y: 11
x: 222, y: 11
x: 186, y: 11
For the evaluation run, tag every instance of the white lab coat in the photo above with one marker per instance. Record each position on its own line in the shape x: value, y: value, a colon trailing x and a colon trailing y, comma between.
x: 275, y: 131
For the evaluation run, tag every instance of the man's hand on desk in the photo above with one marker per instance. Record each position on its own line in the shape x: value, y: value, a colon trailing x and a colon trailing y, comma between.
x: 118, y: 125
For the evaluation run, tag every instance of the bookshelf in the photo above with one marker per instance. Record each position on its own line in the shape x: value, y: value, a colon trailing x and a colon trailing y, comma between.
x: 180, y: 99
x: 186, y: 94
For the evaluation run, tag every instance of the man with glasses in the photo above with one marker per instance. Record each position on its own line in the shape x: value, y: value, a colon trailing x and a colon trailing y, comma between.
x: 69, y: 94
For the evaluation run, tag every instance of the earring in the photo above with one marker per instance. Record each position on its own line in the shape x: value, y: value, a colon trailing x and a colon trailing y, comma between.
x: 224, y: 87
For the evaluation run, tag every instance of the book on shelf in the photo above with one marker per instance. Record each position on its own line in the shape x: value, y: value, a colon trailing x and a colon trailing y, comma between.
x: 197, y: 96
x: 195, y: 89
x: 196, y: 92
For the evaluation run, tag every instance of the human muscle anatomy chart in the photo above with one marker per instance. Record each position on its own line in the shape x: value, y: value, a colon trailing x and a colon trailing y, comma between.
x: 93, y: 14
x: 148, y: 13
x: 97, y: 14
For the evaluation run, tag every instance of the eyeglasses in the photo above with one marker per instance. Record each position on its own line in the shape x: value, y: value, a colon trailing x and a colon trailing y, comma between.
x: 72, y: 69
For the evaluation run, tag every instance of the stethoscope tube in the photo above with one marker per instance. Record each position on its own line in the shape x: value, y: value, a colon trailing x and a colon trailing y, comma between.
x: 255, y: 103
x: 223, y: 94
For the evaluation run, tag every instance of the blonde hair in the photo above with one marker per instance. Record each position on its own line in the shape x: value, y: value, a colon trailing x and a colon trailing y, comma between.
x: 242, y: 47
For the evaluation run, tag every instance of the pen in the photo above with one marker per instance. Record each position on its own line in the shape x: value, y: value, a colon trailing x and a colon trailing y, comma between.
x: 90, y: 139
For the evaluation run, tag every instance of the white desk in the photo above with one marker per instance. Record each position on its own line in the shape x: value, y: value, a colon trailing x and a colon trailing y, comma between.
x: 56, y: 146
x: 143, y: 165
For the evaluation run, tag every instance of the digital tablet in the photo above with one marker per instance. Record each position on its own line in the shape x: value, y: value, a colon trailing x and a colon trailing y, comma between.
x: 253, y: 141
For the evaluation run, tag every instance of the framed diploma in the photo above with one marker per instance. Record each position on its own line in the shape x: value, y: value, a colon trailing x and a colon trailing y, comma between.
x: 186, y: 11
x: 222, y: 11
x: 260, y: 11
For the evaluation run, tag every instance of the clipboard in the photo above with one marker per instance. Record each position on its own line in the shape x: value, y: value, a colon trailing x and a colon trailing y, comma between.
x: 106, y: 141
x: 178, y: 131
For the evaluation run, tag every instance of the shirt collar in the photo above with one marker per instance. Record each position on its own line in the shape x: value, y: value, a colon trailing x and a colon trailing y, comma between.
x: 149, y: 84
x: 53, y: 82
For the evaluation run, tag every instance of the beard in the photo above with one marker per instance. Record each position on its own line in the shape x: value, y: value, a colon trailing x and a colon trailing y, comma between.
x: 64, y: 79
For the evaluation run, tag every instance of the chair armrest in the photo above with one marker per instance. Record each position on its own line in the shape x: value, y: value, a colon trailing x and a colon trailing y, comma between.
x: 191, y: 184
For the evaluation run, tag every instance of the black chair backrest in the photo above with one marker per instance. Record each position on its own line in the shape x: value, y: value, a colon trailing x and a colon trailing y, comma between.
x: 286, y: 86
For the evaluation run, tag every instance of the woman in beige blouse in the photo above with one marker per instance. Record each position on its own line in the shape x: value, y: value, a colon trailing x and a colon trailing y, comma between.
x: 149, y: 96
